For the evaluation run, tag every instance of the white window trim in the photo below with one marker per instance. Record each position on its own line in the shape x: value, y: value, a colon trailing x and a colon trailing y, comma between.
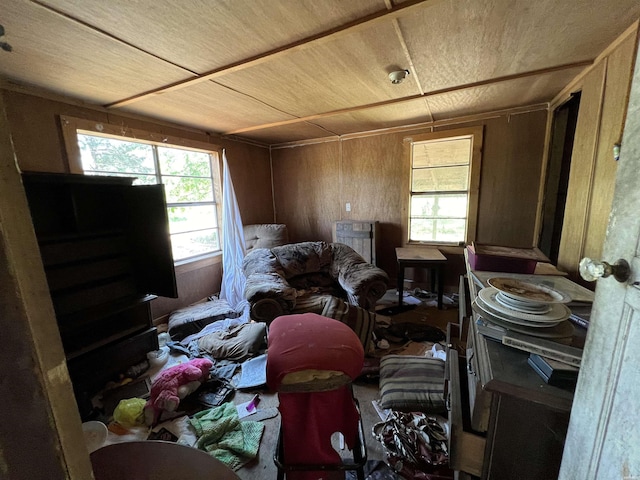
x: 71, y: 125
x: 476, y: 134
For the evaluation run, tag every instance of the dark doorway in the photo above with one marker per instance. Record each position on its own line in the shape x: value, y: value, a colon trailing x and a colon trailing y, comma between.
x: 555, y: 192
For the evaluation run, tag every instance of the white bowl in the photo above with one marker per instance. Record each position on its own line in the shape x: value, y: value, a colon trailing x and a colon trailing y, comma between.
x: 95, y: 434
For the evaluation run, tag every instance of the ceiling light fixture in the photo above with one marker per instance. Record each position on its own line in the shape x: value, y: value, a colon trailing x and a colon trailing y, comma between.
x: 4, y: 45
x: 398, y: 76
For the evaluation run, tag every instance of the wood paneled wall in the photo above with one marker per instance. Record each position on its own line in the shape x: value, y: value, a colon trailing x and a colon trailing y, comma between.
x: 39, y: 146
x: 374, y: 170
x: 313, y: 184
x: 510, y: 178
x: 307, y: 189
x: 603, y: 104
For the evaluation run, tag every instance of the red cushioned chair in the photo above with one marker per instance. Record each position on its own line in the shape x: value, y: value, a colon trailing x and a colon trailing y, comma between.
x: 311, y: 362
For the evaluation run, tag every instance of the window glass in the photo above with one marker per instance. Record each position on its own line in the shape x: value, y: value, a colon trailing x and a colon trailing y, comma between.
x: 193, y: 244
x: 439, y: 206
x: 174, y: 161
x: 188, y: 189
x: 109, y: 155
x: 442, y: 152
x: 191, y: 218
x: 440, y: 179
x: 438, y: 230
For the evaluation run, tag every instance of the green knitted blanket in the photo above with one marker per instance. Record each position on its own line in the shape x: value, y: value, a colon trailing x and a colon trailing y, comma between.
x: 221, y: 433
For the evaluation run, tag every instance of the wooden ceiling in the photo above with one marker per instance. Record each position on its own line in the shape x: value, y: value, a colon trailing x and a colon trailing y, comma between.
x: 279, y: 71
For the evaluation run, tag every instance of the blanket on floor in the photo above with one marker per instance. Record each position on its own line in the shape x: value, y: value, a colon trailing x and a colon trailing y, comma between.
x: 221, y: 433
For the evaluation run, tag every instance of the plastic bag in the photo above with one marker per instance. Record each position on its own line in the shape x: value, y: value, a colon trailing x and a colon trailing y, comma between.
x: 130, y: 412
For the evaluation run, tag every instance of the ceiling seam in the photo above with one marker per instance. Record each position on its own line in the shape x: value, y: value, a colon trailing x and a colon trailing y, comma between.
x: 407, y: 54
x: 262, y: 102
x: 423, y: 125
x: 274, y: 108
x: 412, y: 69
x: 409, y: 98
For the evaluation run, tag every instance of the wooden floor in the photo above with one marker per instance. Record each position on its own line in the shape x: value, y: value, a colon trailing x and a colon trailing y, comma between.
x: 264, y: 468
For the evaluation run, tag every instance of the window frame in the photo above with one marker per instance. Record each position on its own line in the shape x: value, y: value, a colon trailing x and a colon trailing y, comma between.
x: 71, y: 127
x: 473, y: 191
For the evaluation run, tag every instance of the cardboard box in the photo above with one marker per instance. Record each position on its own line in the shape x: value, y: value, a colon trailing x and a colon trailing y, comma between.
x: 495, y: 258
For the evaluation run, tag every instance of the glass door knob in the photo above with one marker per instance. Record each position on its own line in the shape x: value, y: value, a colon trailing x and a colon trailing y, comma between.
x: 591, y: 270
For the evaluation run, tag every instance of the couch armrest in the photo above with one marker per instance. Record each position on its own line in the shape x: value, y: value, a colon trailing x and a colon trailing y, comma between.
x: 266, y: 288
x: 363, y: 282
x: 261, y: 260
x: 267, y: 309
x: 265, y: 292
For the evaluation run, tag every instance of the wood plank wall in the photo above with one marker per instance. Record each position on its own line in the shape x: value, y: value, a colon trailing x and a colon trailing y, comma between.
x: 313, y: 183
x: 302, y: 185
x: 605, y: 90
x: 39, y: 146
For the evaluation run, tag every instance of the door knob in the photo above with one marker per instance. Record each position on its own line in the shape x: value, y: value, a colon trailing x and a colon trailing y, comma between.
x: 591, y: 270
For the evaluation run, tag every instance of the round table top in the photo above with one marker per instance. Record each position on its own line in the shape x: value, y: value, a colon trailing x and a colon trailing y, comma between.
x: 157, y: 460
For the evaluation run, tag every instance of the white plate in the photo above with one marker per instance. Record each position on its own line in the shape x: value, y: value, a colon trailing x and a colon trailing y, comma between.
x: 522, y: 306
x: 557, y: 313
x: 563, y: 329
x: 484, y: 308
x: 527, y: 291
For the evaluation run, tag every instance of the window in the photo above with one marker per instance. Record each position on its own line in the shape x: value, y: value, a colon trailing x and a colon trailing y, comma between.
x: 190, y: 177
x: 443, y: 191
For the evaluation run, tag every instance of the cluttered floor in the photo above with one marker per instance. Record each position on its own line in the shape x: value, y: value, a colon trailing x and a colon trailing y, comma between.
x: 241, y: 398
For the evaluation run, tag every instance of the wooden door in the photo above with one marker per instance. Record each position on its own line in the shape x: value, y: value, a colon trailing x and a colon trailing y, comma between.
x: 361, y: 236
x: 603, y: 440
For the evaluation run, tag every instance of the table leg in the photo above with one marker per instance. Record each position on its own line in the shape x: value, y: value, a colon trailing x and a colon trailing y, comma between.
x: 433, y: 276
x: 400, y: 282
x: 440, y: 285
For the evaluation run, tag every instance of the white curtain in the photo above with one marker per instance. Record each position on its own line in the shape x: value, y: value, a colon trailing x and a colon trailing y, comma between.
x: 233, y: 247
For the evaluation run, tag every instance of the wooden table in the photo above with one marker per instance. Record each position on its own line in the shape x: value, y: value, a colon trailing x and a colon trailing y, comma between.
x: 421, y: 257
x: 157, y: 460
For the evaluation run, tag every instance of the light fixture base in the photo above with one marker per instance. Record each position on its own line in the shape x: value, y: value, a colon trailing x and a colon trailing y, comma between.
x: 398, y: 76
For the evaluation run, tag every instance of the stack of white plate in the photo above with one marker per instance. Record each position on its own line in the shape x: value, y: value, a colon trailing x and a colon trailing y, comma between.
x: 530, y: 308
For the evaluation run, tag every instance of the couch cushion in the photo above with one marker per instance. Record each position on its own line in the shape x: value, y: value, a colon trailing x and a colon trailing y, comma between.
x: 305, y: 257
x: 412, y: 383
x: 265, y: 235
x: 316, y: 281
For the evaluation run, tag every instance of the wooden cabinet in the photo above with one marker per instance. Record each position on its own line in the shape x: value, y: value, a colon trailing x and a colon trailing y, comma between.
x: 506, y: 422
x: 106, y: 253
x: 359, y: 235
x: 466, y: 448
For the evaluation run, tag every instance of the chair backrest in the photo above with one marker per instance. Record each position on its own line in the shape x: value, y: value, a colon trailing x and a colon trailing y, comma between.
x: 265, y: 235
x: 304, y: 354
